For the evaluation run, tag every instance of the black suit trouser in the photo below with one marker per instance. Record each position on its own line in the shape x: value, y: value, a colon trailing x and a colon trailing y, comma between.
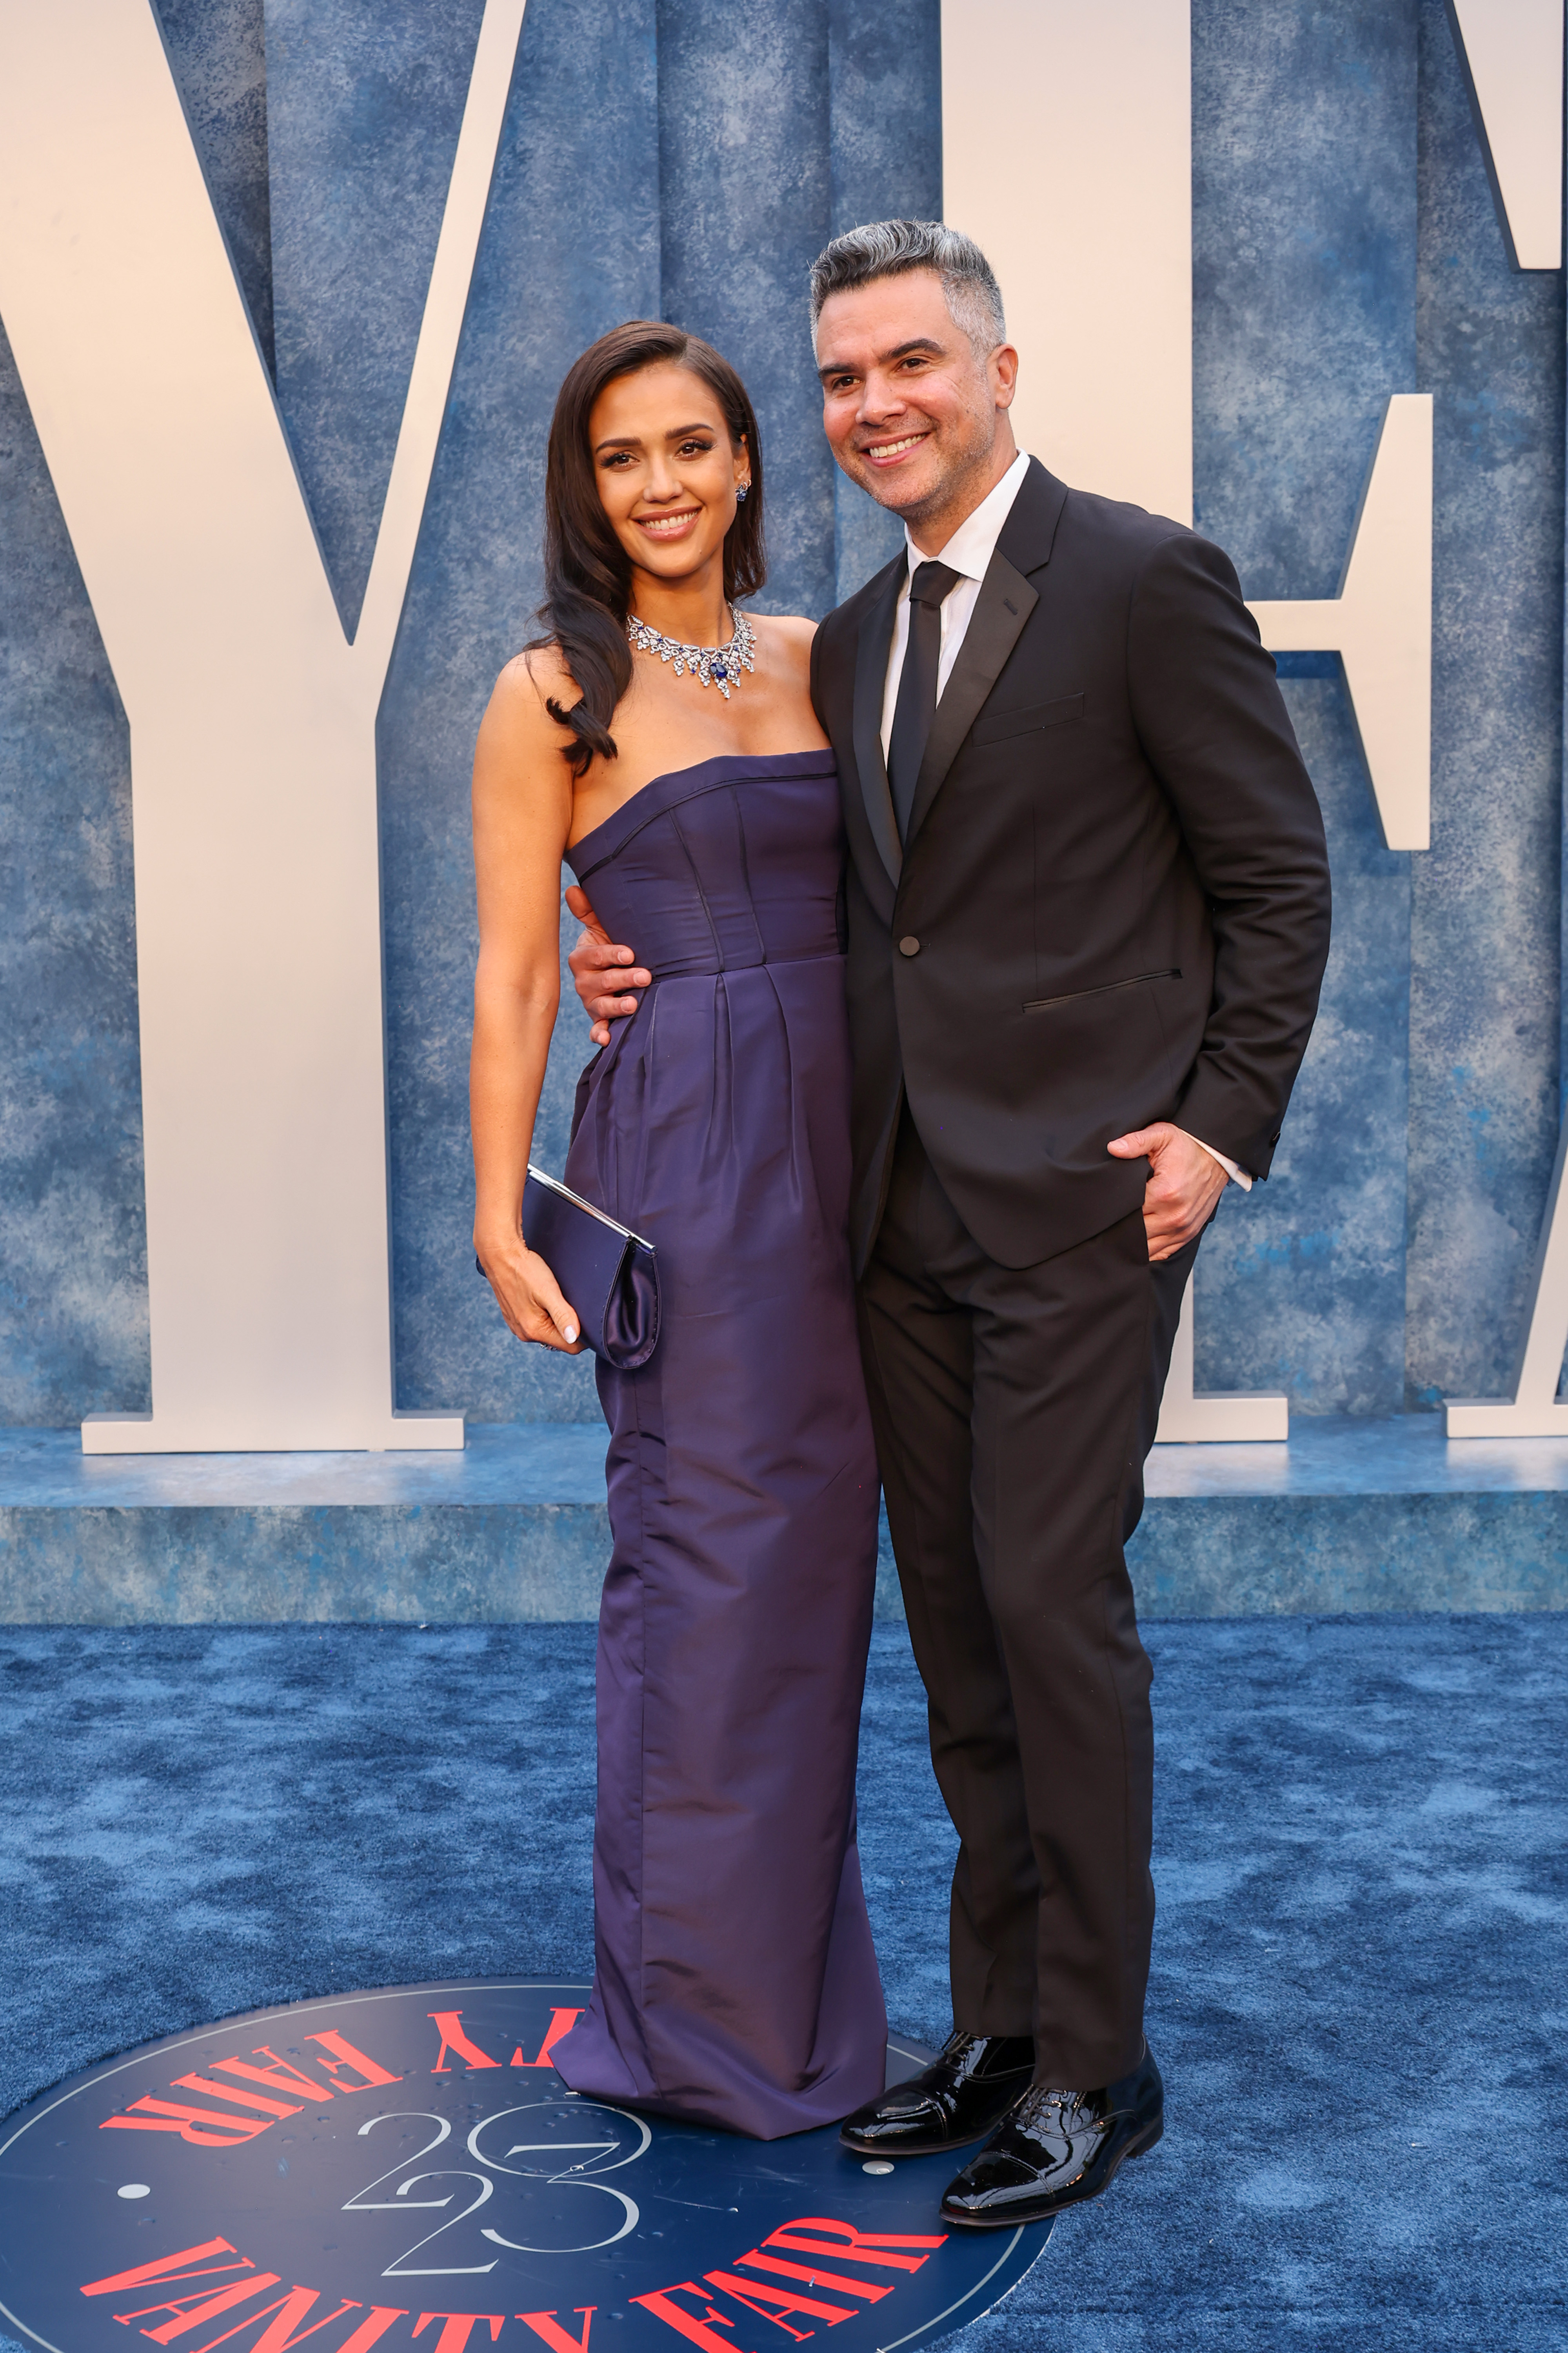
x: 1014, y: 1408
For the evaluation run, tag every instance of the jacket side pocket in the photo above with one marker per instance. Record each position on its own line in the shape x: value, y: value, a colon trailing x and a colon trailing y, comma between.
x: 1107, y: 989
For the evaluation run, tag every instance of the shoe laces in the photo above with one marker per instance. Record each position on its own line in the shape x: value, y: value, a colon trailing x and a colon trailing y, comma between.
x: 1042, y: 2101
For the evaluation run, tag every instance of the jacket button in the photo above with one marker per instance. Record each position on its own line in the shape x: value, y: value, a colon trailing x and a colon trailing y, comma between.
x: 909, y: 944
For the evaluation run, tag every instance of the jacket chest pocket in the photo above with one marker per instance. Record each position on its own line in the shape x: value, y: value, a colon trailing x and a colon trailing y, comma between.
x: 999, y: 726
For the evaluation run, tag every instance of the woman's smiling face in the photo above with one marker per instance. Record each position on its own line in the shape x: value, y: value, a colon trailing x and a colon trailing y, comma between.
x: 666, y: 469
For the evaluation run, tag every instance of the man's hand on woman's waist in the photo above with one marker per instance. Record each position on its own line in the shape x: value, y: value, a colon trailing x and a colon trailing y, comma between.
x: 591, y: 964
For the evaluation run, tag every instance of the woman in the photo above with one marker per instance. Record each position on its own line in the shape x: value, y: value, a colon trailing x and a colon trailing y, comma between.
x: 666, y: 745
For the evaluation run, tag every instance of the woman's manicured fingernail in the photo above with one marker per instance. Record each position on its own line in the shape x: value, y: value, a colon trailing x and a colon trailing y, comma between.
x: 571, y: 1334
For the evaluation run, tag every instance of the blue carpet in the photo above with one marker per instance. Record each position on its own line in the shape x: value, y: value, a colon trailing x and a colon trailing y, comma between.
x: 1358, y: 1989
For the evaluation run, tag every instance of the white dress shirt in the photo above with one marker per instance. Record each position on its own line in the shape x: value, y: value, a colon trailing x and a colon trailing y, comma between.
x: 969, y: 553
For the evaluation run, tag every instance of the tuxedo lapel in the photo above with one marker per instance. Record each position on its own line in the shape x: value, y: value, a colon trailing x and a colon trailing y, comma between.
x: 870, y: 684
x: 1029, y: 533
x: 1004, y: 603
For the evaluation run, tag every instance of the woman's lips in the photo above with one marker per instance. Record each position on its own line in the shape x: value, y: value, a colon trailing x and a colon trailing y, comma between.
x: 668, y: 526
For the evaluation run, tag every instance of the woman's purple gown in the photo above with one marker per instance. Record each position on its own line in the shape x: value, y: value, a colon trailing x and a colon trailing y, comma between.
x: 735, y: 1981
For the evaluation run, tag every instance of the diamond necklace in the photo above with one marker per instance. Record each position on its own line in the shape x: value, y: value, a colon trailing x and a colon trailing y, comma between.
x: 718, y: 666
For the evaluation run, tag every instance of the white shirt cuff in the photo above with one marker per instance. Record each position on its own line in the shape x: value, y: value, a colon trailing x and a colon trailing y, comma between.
x: 1237, y: 1176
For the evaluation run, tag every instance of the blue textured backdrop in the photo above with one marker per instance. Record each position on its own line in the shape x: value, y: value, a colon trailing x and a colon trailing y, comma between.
x: 671, y: 157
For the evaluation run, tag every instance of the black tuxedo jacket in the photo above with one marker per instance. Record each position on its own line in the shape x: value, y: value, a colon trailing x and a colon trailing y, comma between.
x: 1112, y: 906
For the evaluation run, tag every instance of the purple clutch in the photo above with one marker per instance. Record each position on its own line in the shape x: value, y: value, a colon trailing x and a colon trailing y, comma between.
x: 609, y: 1274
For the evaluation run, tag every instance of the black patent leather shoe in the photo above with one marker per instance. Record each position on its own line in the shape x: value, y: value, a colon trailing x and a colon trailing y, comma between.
x: 1057, y: 2148
x: 959, y: 2097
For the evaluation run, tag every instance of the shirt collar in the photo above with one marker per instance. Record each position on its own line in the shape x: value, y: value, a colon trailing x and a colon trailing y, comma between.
x: 973, y: 543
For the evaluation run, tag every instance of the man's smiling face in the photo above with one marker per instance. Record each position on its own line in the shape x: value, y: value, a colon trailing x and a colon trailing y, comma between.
x: 911, y: 411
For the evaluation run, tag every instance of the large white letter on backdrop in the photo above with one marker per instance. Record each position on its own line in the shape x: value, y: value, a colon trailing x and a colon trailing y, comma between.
x: 1067, y: 151
x: 1533, y: 1411
x: 1512, y: 54
x: 252, y: 728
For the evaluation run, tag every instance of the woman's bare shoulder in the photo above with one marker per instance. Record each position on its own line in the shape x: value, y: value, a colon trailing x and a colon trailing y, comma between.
x: 786, y: 628
x: 518, y: 704
x: 538, y: 675
x: 787, y: 638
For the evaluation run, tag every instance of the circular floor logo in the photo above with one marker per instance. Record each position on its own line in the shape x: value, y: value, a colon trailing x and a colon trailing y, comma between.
x: 406, y: 2170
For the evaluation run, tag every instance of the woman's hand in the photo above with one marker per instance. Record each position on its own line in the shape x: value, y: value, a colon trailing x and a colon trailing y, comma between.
x: 529, y: 1295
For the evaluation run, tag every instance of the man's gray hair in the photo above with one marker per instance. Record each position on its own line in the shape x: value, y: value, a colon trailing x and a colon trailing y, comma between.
x: 889, y: 249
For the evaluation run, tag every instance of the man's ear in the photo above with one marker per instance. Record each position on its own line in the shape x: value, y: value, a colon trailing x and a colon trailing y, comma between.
x: 1003, y: 369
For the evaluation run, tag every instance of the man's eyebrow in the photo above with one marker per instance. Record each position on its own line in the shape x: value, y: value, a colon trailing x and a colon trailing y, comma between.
x: 899, y: 351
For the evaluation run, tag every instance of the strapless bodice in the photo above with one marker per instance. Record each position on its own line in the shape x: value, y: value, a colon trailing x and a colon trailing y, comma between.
x: 734, y: 862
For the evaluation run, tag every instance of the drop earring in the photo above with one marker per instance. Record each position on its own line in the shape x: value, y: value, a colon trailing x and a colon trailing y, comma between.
x: 740, y: 489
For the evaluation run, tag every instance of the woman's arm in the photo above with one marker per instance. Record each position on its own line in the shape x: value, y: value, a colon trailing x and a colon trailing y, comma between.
x: 522, y: 814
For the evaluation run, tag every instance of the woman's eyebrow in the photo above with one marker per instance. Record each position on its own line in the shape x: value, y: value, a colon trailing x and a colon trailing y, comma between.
x: 634, y: 440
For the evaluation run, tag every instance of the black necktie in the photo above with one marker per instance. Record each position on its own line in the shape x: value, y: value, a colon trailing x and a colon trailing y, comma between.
x: 916, y: 706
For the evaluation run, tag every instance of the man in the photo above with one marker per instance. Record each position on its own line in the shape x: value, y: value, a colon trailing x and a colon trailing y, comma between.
x: 1088, y: 920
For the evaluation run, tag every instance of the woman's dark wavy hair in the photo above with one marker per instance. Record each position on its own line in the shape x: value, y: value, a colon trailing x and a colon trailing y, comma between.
x: 588, y: 573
